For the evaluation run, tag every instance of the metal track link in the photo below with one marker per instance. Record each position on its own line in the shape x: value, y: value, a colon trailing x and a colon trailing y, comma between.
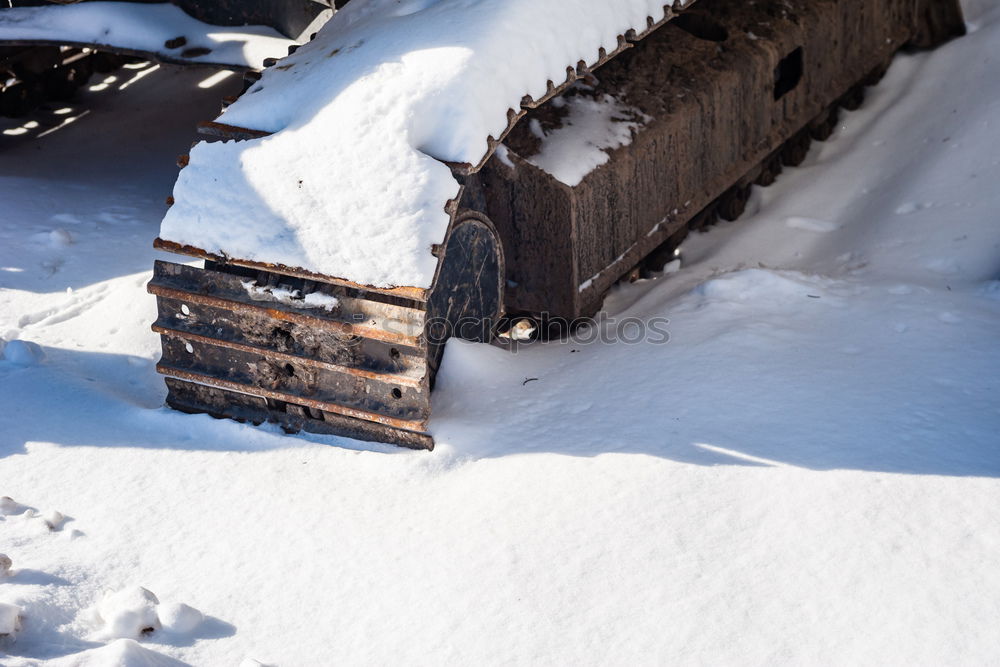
x: 262, y: 346
x: 314, y: 353
x: 731, y: 204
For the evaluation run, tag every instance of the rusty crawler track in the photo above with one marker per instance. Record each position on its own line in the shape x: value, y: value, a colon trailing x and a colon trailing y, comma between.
x: 724, y: 88
x: 243, y: 342
x: 734, y: 92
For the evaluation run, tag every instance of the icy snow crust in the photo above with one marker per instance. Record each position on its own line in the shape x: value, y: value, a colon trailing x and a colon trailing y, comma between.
x: 144, y: 27
x: 353, y: 183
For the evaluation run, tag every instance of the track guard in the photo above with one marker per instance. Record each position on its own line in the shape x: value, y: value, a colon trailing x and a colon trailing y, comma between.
x: 467, y: 299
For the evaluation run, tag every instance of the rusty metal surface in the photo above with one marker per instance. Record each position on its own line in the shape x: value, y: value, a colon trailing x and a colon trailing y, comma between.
x: 369, y: 318
x: 263, y: 392
x: 265, y: 374
x: 310, y: 363
x: 349, y: 370
x: 417, y: 294
x: 727, y: 88
x: 220, y: 403
x: 363, y: 360
x: 225, y: 132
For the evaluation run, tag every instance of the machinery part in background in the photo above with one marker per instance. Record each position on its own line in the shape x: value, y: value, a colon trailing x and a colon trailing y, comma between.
x: 34, y: 71
x: 32, y: 75
x: 291, y: 18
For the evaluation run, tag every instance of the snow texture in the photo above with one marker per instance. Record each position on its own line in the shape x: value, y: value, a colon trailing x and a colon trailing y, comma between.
x: 290, y: 297
x: 21, y: 353
x: 119, y: 653
x: 130, y: 612
x: 144, y: 27
x: 10, y: 620
x: 353, y: 182
x: 581, y: 144
x: 807, y: 473
x: 179, y: 618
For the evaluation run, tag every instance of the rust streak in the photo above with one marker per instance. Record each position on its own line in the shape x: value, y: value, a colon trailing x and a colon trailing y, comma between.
x: 414, y: 293
x: 286, y: 316
x: 387, y: 378
x: 403, y: 424
x: 214, y: 129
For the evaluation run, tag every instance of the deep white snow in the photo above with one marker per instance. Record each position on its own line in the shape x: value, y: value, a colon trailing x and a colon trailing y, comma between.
x: 352, y: 183
x: 807, y: 473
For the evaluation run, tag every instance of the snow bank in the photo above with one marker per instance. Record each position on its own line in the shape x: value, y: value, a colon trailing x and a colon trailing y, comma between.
x: 147, y: 28
x: 352, y: 184
x: 136, y: 612
x: 119, y: 653
x: 179, y: 618
x: 21, y: 352
x: 130, y: 612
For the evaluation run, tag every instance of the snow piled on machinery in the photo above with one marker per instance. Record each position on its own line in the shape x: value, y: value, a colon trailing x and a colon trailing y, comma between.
x: 154, y: 29
x: 353, y: 181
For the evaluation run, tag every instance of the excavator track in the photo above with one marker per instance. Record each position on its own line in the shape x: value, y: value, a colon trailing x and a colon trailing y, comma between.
x: 242, y: 340
x: 256, y: 344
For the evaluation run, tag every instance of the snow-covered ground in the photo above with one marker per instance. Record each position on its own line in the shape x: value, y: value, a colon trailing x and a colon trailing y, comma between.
x: 807, y: 473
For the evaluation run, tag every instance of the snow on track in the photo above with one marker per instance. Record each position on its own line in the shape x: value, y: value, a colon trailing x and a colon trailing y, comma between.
x: 145, y: 28
x: 352, y: 184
